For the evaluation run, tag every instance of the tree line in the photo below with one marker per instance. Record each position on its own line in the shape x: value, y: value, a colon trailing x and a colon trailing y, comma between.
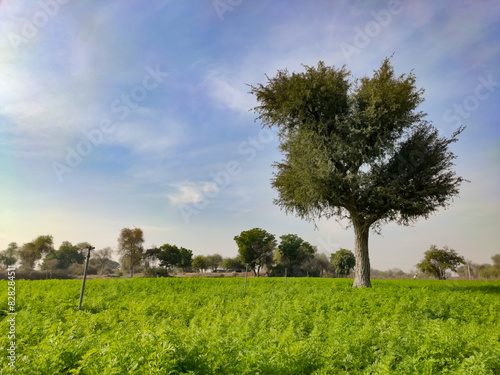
x: 258, y: 251
x: 64, y: 262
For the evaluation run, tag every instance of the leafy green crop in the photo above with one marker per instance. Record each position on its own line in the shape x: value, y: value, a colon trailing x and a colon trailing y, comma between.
x: 211, y: 326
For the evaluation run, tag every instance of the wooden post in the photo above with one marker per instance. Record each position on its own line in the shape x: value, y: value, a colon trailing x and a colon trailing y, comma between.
x: 85, y: 276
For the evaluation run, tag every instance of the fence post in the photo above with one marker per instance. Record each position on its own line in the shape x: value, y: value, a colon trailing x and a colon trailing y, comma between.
x: 85, y: 276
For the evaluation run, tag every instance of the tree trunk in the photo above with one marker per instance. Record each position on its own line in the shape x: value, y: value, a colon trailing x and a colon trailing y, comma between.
x: 362, y: 274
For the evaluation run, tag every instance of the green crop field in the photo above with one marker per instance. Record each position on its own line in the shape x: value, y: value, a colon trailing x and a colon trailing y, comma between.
x: 211, y: 326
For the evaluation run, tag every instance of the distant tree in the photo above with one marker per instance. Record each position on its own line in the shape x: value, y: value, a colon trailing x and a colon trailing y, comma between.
x: 256, y: 247
x: 8, y: 256
x: 102, y: 258
x: 33, y: 251
x: 214, y: 261
x: 397, y: 273
x: 294, y: 250
x: 150, y: 256
x: 169, y: 256
x: 437, y: 261
x: 200, y: 263
x: 343, y: 261
x: 66, y: 255
x: 496, y: 261
x: 185, y: 259
x: 319, y: 262
x: 234, y: 264
x: 356, y: 149
x: 83, y: 248
x: 130, y: 246
x: 489, y: 271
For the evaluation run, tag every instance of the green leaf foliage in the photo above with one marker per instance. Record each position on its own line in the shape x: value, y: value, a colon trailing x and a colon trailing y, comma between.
x: 294, y: 250
x: 33, y: 251
x: 355, y: 149
x: 211, y: 326
x: 343, y: 262
x: 256, y: 248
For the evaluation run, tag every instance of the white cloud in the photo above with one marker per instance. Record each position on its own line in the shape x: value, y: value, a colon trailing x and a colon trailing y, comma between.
x: 187, y: 192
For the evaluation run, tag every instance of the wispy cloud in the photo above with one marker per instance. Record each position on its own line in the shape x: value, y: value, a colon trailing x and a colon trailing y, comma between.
x: 230, y: 93
x: 187, y: 192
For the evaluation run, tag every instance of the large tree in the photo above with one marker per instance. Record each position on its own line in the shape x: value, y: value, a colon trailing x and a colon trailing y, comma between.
x: 356, y: 150
x: 130, y: 246
x: 437, y: 261
x: 256, y: 247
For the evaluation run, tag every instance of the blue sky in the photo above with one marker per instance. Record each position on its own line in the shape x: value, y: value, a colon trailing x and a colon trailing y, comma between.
x: 137, y: 114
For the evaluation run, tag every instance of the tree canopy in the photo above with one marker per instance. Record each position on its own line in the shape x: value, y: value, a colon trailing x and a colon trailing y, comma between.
x: 357, y: 150
x: 172, y: 256
x: 294, y: 250
x: 199, y: 263
x: 130, y: 246
x: 256, y: 247
x: 343, y: 261
x: 8, y: 256
x: 214, y: 261
x: 293, y: 253
x: 102, y: 258
x: 66, y: 255
x: 437, y: 261
x: 33, y: 251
